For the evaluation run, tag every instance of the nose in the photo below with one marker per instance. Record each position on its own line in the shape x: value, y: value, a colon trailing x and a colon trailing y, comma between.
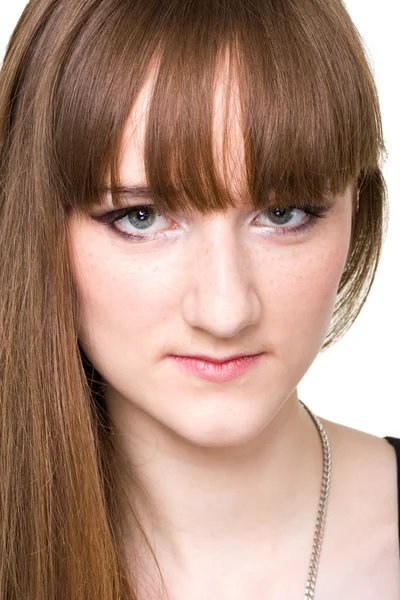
x: 220, y: 296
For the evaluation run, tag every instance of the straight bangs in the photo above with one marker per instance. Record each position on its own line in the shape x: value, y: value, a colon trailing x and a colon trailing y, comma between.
x: 306, y: 102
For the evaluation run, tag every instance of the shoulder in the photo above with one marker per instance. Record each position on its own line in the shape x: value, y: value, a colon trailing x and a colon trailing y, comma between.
x: 364, y: 462
x: 362, y: 526
x: 364, y: 474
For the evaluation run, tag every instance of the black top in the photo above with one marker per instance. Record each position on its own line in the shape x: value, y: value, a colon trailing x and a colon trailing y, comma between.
x: 395, y: 442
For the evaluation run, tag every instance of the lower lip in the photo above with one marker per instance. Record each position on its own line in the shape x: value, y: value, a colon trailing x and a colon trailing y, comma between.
x: 221, y: 371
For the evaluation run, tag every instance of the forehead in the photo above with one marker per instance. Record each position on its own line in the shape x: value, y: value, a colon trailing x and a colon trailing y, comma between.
x: 226, y: 125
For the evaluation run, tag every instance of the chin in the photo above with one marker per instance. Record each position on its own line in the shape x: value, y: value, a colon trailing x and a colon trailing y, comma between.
x: 222, y: 427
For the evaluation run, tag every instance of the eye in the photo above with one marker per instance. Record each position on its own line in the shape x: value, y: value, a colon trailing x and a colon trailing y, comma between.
x: 284, y: 216
x: 137, y: 223
x: 140, y: 218
x: 300, y: 220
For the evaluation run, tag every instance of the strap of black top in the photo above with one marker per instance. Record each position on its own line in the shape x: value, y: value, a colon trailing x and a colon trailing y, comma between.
x: 395, y: 442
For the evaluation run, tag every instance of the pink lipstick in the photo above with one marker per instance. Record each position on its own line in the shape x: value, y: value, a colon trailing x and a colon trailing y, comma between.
x: 218, y: 371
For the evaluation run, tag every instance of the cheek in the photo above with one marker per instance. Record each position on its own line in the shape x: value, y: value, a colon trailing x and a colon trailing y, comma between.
x: 121, y: 301
x: 304, y: 298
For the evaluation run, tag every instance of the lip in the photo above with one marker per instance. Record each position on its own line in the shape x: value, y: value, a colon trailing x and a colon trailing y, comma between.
x: 218, y: 361
x: 218, y: 370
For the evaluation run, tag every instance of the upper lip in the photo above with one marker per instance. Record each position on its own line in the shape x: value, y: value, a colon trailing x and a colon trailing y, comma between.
x: 215, y: 359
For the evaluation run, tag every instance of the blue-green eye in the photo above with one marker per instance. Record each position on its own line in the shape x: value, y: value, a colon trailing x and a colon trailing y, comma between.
x: 281, y: 216
x: 142, y: 217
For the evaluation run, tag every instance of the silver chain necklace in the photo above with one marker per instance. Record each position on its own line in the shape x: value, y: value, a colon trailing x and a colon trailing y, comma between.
x: 319, y: 528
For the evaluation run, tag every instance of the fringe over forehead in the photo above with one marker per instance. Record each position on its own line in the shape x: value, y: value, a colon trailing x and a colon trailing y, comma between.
x: 309, y: 115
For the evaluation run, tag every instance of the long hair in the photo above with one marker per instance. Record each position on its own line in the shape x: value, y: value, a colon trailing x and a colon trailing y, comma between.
x: 71, y: 74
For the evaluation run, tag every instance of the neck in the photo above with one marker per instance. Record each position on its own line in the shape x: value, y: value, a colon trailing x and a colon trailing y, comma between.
x: 225, y: 501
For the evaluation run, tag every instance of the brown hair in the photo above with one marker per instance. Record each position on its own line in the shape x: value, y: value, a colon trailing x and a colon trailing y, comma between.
x: 72, y: 71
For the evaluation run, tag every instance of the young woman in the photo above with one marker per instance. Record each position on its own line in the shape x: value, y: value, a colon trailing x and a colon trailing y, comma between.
x: 192, y: 207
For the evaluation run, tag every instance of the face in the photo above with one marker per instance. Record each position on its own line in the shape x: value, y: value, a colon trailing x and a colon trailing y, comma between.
x: 232, y: 283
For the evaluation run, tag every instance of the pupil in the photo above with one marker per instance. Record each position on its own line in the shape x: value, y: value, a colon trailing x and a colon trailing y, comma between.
x: 142, y: 214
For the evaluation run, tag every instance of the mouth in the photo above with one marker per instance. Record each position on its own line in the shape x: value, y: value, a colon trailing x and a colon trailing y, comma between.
x: 218, y: 360
x: 218, y: 369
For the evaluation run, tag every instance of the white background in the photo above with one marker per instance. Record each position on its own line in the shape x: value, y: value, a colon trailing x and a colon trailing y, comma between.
x: 355, y: 382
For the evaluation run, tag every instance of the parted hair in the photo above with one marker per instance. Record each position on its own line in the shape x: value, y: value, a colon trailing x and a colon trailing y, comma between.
x: 72, y: 72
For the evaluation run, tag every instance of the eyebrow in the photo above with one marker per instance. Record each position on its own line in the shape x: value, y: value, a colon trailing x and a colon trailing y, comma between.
x: 132, y: 191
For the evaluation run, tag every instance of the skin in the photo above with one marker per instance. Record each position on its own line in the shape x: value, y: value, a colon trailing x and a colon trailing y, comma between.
x: 231, y: 472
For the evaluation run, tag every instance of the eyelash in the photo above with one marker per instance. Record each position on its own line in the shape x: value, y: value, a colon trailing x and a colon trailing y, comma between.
x: 109, y: 219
